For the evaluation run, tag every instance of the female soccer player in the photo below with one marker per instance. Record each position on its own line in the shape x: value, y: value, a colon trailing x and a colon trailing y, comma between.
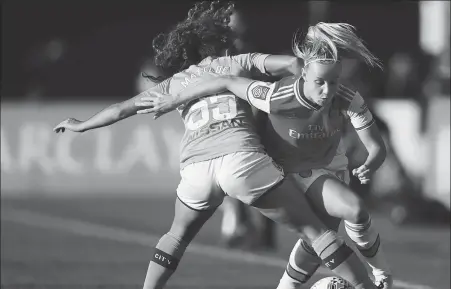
x: 221, y: 145
x: 307, y: 115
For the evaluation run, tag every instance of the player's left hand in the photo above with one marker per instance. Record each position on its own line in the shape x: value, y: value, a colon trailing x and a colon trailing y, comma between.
x: 70, y: 124
x: 363, y: 173
x: 157, y: 103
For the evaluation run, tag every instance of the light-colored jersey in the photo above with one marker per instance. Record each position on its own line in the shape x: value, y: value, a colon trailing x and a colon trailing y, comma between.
x: 220, y: 124
x: 301, y: 135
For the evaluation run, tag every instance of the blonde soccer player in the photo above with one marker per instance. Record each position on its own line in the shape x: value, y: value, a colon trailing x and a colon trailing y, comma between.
x: 307, y: 116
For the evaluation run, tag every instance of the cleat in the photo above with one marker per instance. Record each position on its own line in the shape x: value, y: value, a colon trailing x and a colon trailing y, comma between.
x: 383, y: 281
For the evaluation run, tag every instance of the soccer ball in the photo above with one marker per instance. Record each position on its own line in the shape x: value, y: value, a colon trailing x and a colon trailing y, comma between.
x: 332, y: 283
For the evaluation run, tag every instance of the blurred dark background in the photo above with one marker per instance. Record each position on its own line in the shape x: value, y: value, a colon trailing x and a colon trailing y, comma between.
x: 68, y: 49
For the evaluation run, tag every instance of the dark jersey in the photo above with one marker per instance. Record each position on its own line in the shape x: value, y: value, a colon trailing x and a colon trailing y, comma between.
x: 300, y: 134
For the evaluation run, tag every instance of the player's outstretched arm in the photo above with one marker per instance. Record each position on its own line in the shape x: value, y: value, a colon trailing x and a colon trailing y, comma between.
x: 283, y: 65
x: 269, y: 64
x: 160, y: 103
x: 235, y: 84
x: 106, y: 117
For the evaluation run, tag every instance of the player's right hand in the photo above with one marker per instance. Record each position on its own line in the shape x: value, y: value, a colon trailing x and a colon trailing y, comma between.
x: 70, y: 124
x: 157, y: 103
x: 363, y: 173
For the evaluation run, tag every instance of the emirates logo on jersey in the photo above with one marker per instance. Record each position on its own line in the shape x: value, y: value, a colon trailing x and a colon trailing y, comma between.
x: 260, y: 92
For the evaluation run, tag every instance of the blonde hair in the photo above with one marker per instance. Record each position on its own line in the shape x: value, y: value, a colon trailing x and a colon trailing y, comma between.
x: 330, y: 42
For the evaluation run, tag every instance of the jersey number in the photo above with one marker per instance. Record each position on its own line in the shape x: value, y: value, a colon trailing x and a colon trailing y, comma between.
x: 200, y: 114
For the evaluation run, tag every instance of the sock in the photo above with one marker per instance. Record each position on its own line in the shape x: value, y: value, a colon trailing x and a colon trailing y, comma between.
x: 165, y: 259
x: 339, y: 258
x: 367, y: 241
x: 302, y: 265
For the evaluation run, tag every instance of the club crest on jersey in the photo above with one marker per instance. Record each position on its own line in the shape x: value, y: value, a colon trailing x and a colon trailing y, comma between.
x: 260, y: 92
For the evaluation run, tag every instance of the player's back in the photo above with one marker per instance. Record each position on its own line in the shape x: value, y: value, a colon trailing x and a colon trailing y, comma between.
x: 214, y: 125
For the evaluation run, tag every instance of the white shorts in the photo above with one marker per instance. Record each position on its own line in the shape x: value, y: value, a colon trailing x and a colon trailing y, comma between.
x: 338, y: 168
x: 241, y: 175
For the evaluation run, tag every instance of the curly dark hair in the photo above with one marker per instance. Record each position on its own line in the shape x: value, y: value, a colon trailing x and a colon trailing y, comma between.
x: 205, y: 32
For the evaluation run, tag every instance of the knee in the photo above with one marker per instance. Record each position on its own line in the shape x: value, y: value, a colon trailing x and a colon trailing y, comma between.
x: 356, y: 212
x: 187, y: 223
x: 179, y: 230
x: 184, y: 228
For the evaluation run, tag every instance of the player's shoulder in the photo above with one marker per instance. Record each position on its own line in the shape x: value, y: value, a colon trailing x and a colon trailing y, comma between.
x: 284, y: 86
x: 346, y: 93
x: 242, y: 58
x: 348, y: 97
x: 164, y: 85
x: 289, y: 93
x: 350, y: 101
x: 289, y: 80
x: 222, y: 60
x: 289, y: 83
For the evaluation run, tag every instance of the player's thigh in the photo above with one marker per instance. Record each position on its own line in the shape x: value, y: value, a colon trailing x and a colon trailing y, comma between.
x: 255, y: 179
x: 284, y: 204
x: 305, y: 179
x: 331, y: 196
x: 187, y: 221
x: 248, y: 175
x: 198, y: 188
